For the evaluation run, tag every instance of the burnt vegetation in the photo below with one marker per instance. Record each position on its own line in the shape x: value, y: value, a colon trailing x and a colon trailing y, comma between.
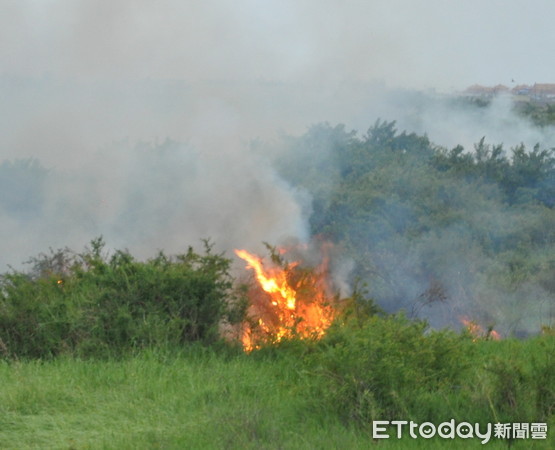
x: 434, y: 232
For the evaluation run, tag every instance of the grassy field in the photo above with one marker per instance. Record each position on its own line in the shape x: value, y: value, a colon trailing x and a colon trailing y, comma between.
x: 205, y: 399
x: 114, y: 353
x: 151, y: 401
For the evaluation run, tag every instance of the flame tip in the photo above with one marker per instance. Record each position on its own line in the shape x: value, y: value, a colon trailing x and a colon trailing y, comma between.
x: 289, y: 311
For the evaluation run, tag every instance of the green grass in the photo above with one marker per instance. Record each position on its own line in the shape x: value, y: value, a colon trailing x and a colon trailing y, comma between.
x: 152, y: 401
x: 197, y: 399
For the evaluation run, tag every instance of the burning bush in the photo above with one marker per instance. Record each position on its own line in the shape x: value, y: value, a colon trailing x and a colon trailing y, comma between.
x: 286, y: 299
x: 477, y: 331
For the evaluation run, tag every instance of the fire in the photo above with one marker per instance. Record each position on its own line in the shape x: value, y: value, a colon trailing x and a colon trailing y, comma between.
x: 276, y: 284
x: 478, y: 331
x: 287, y: 301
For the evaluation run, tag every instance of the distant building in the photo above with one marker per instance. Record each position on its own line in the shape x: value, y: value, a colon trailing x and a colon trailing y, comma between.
x: 521, y: 89
x: 500, y: 89
x: 478, y: 91
x: 543, y: 92
x: 539, y: 92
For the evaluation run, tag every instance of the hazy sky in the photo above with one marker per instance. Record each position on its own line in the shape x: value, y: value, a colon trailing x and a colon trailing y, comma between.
x: 440, y: 44
x: 81, y: 82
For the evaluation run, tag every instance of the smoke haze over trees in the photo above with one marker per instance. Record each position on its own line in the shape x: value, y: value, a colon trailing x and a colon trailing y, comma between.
x: 156, y: 126
x: 441, y: 233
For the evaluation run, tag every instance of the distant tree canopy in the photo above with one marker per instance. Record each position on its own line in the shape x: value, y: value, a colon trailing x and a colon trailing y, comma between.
x: 438, y: 232
x: 542, y: 115
x: 530, y: 173
x: 472, y: 228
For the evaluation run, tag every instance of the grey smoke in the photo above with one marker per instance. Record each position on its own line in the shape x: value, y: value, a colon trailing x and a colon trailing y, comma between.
x: 93, y: 90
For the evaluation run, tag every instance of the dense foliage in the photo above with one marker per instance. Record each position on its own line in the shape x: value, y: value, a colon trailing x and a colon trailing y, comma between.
x: 299, y: 394
x: 91, y: 304
x: 439, y: 232
x: 385, y: 368
x: 541, y: 114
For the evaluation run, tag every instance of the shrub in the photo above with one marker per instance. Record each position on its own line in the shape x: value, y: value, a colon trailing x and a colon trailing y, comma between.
x: 520, y: 380
x: 386, y: 368
x: 92, y: 304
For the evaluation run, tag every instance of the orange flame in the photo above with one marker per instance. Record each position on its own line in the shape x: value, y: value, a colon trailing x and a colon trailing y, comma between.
x: 286, y: 302
x: 276, y: 284
x: 478, y: 331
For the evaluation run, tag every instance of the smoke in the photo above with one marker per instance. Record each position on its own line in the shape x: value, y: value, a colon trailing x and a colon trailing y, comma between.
x: 450, y: 121
x: 150, y: 197
x: 469, y: 263
x: 139, y: 121
x: 324, y: 41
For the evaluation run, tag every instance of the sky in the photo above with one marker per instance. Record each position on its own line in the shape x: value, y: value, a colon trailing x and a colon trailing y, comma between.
x: 142, y: 113
x: 429, y: 44
x: 83, y: 82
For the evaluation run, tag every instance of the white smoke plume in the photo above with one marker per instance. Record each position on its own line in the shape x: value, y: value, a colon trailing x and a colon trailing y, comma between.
x: 142, y: 113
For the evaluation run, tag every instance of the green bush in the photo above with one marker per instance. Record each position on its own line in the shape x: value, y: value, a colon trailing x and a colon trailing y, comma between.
x: 92, y: 304
x: 386, y: 368
x: 518, y: 380
x: 391, y: 368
